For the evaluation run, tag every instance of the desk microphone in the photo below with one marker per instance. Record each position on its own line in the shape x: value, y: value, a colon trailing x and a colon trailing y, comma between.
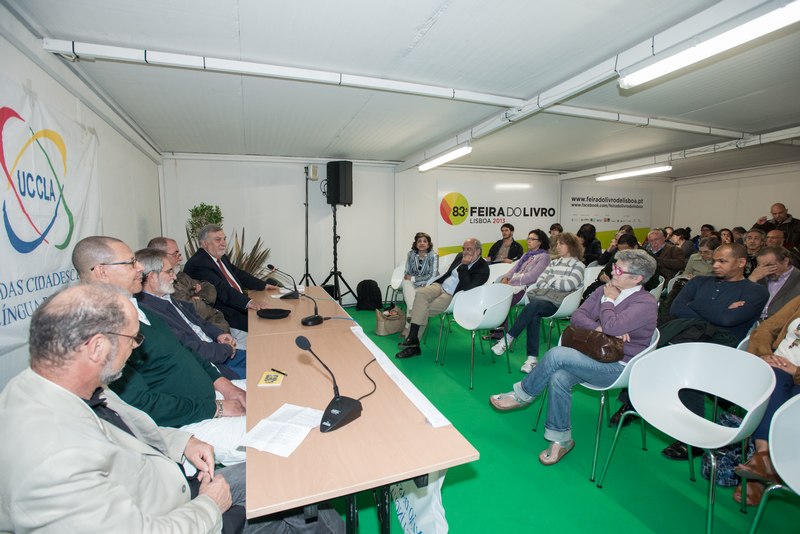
x: 291, y: 294
x: 311, y: 320
x: 341, y: 410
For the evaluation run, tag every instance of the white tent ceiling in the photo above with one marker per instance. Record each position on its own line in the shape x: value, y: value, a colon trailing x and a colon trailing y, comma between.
x: 516, y: 48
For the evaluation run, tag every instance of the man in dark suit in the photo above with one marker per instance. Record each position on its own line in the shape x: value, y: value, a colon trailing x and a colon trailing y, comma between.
x: 211, y: 264
x: 467, y: 271
x: 201, y: 337
x: 776, y: 273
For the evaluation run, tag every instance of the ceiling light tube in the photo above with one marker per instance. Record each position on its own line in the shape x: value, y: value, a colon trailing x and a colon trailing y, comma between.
x: 446, y: 157
x: 635, y: 172
x: 748, y: 31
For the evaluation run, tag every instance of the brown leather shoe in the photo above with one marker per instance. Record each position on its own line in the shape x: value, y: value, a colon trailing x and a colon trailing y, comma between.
x: 755, y: 492
x: 758, y: 467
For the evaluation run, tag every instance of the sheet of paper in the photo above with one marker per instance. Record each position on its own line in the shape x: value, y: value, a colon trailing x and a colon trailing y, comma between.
x: 283, y: 431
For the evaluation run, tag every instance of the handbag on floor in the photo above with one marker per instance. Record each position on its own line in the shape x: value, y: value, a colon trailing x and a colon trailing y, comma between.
x: 390, y: 321
x: 596, y: 345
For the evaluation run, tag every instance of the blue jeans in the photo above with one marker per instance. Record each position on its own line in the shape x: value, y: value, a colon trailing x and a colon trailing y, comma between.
x: 530, y: 317
x: 560, y: 369
x: 785, y: 389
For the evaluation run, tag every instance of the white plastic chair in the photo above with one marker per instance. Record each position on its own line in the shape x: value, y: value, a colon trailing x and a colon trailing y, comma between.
x: 496, y: 270
x: 482, y: 308
x: 567, y: 308
x: 590, y: 275
x: 725, y: 372
x: 743, y: 344
x: 394, y: 284
x: 784, y: 435
x: 672, y: 282
x: 656, y: 291
x: 619, y: 383
x: 593, y: 264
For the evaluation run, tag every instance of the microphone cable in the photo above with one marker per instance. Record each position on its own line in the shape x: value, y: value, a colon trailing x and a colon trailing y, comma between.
x: 374, y: 385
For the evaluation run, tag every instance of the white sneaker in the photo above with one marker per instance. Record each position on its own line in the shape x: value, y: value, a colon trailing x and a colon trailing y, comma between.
x: 500, y: 347
x: 529, y: 364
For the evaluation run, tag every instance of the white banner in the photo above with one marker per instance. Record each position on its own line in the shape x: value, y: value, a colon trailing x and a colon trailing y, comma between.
x: 478, y: 209
x: 606, y: 207
x: 51, y: 200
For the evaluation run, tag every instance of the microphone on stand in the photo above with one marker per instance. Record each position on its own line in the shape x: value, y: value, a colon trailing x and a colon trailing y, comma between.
x: 311, y: 320
x: 291, y: 294
x: 341, y: 410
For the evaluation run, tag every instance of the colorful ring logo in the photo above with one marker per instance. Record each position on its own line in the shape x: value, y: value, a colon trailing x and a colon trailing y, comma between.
x: 454, y: 208
x: 20, y: 244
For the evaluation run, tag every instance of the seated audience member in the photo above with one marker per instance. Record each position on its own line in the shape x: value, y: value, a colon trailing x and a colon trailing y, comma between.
x: 725, y: 236
x: 781, y: 220
x: 79, y: 459
x: 592, y: 249
x: 754, y: 241
x: 563, y: 276
x: 162, y: 378
x: 467, y: 271
x: 555, y: 230
x: 608, y: 255
x: 680, y: 238
x: 621, y: 308
x: 775, y: 238
x: 717, y: 309
x: 700, y: 264
x: 707, y: 230
x: 505, y: 250
x: 776, y: 273
x: 738, y: 234
x: 625, y: 242
x: 210, y: 263
x: 669, y: 258
x: 199, y: 292
x: 422, y: 265
x: 526, y: 271
x: 668, y: 230
x: 197, y: 335
x: 777, y: 341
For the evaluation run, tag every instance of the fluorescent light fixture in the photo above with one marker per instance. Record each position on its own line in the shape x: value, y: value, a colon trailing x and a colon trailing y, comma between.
x: 446, y: 157
x: 635, y: 172
x: 512, y: 187
x: 748, y: 31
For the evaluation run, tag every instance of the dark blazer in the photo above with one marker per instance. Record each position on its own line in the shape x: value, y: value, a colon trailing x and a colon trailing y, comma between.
x: 216, y: 353
x: 790, y: 290
x: 515, y: 251
x: 670, y: 260
x: 467, y: 278
x: 230, y: 302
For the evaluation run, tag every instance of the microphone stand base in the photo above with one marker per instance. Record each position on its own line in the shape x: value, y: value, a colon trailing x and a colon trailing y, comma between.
x: 312, y: 320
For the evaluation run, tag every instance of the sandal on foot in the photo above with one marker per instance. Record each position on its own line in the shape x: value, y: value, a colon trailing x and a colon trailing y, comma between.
x: 506, y: 401
x: 555, y: 452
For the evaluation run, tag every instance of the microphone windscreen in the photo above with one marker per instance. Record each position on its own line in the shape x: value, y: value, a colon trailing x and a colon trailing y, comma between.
x: 270, y: 267
x: 303, y: 342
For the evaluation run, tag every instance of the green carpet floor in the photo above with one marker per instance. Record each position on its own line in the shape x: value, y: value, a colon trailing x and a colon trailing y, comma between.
x: 508, y: 490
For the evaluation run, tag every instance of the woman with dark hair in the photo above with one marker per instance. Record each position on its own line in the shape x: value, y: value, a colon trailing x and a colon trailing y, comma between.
x: 682, y: 238
x: 563, y: 276
x: 592, y: 249
x: 725, y: 236
x: 555, y: 230
x: 527, y: 270
x: 422, y: 265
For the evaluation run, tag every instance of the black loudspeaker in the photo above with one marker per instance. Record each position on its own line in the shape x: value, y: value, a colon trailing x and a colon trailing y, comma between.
x: 340, y: 182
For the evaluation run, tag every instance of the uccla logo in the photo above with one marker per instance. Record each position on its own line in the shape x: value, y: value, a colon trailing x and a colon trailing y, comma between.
x: 39, y: 197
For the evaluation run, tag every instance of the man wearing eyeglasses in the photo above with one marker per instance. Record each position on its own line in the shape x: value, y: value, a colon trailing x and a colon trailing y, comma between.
x: 76, y: 458
x: 199, y: 336
x: 669, y: 258
x: 200, y: 293
x: 169, y: 382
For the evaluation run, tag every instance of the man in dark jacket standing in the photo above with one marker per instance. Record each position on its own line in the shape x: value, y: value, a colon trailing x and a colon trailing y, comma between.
x: 467, y: 271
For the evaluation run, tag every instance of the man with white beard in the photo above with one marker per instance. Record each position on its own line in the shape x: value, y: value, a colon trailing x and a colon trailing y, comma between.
x: 201, y: 337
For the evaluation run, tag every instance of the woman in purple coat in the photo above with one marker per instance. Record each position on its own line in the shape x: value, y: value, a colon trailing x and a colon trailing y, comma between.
x: 621, y: 308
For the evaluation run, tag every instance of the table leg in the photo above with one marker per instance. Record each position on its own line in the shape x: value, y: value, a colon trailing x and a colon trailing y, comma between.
x: 382, y: 505
x: 351, y: 519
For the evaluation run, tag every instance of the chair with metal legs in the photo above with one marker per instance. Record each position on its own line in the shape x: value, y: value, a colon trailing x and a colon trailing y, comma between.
x: 784, y: 435
x: 724, y: 372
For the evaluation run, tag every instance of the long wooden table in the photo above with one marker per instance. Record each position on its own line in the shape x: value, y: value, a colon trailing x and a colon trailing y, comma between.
x: 298, y: 308
x: 389, y: 443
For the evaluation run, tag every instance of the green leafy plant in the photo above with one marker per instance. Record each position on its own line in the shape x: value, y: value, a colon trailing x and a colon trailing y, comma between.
x: 199, y: 216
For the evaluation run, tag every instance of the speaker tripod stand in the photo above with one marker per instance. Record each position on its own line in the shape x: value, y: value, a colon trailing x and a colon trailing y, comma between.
x: 336, y: 274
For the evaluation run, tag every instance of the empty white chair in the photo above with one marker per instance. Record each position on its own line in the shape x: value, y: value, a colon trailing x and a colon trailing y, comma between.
x: 482, y: 308
x: 720, y: 371
x: 784, y: 435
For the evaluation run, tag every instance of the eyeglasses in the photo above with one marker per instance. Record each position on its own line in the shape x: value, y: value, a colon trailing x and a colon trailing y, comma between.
x: 616, y: 271
x: 534, y: 239
x: 137, y: 340
x: 131, y: 262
